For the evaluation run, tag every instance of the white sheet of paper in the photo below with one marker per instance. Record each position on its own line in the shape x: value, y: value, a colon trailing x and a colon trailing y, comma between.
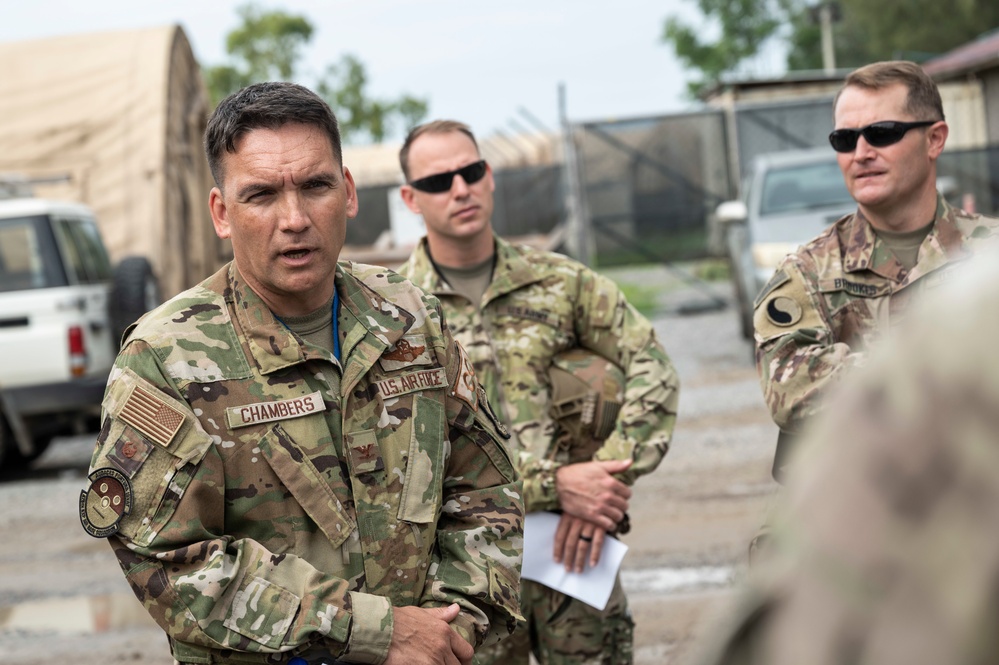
x: 593, y: 586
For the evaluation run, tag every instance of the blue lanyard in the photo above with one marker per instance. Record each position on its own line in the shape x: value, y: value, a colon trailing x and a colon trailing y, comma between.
x: 336, y: 325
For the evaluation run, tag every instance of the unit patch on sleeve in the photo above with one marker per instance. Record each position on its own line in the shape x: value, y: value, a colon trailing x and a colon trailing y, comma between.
x: 783, y: 311
x: 105, y: 502
x: 130, y: 451
x: 464, y: 381
x: 427, y: 379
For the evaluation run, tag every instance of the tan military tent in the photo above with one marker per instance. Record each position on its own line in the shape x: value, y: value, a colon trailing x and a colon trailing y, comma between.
x: 120, y: 114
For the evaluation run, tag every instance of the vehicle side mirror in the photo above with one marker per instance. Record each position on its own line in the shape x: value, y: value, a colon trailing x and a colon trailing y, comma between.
x: 731, y: 212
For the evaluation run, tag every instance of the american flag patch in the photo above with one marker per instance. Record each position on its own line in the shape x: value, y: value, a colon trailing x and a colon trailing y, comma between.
x: 151, y: 416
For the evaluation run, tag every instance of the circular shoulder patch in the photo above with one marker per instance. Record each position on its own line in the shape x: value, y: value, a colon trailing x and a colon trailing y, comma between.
x: 783, y: 311
x: 105, y: 502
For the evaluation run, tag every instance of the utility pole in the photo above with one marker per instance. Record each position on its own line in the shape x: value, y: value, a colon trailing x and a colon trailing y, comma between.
x: 827, y: 13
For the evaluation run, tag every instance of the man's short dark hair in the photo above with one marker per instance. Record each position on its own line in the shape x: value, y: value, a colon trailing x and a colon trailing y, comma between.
x: 265, y: 105
x: 434, y: 127
x: 923, y: 101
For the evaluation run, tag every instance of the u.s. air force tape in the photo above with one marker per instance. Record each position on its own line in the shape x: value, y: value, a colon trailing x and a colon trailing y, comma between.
x: 105, y: 502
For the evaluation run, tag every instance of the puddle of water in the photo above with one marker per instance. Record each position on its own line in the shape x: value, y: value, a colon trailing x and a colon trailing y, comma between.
x: 80, y: 615
x: 675, y: 580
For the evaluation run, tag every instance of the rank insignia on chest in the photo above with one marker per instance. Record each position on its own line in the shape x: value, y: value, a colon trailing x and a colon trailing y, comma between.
x: 105, y: 502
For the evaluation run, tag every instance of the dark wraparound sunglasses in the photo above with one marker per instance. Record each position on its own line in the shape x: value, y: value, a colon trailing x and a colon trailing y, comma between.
x: 441, y: 182
x: 878, y: 134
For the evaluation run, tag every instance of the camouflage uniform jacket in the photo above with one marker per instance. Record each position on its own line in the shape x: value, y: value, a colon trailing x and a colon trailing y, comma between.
x: 884, y: 549
x: 837, y: 295
x: 537, y: 305
x: 284, y: 501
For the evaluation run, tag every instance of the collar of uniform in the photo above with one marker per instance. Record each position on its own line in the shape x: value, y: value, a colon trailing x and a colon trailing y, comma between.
x: 420, y: 270
x: 945, y: 243
x: 371, y: 324
x: 863, y: 250
x: 512, y: 270
x: 271, y: 344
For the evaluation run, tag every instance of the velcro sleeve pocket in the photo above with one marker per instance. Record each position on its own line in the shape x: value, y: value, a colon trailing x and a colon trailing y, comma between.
x: 263, y: 612
x: 421, y: 491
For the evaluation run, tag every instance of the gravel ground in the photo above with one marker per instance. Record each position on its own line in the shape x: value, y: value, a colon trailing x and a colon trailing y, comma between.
x: 63, y: 598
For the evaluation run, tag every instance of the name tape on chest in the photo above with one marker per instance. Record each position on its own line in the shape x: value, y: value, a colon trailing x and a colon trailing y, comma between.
x: 427, y: 379
x: 538, y: 315
x: 265, y: 412
x: 858, y: 289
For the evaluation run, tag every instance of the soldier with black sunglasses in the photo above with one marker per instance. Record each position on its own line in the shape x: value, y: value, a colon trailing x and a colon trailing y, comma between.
x: 852, y: 285
x: 516, y: 310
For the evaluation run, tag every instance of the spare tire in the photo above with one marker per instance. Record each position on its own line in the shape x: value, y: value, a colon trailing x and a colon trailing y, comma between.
x: 134, y: 292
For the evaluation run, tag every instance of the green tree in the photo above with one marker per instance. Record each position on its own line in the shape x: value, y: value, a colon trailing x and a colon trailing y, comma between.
x: 343, y: 87
x: 268, y: 45
x: 910, y: 30
x: 744, y: 26
x: 866, y: 32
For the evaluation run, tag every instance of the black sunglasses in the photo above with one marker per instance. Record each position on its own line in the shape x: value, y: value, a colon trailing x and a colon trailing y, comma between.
x: 441, y: 182
x: 878, y: 134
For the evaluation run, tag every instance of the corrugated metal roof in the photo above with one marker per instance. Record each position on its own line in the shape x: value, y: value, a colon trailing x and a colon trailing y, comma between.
x: 973, y: 56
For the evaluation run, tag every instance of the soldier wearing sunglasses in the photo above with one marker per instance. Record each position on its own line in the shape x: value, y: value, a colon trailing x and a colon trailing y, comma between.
x: 514, y: 309
x: 852, y: 285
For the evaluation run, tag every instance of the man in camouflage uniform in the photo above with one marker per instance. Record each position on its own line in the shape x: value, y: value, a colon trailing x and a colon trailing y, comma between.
x: 887, y: 542
x: 515, y: 309
x: 296, y: 464
x: 848, y: 288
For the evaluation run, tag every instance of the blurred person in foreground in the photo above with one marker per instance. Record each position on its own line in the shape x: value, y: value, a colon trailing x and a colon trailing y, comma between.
x: 519, y: 312
x: 294, y: 465
x: 886, y: 550
x: 841, y: 293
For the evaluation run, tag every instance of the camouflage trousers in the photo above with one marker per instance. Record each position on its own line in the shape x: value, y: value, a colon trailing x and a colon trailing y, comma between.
x: 561, y: 630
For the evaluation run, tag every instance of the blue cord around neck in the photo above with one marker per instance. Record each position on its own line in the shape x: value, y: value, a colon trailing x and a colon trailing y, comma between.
x: 336, y: 325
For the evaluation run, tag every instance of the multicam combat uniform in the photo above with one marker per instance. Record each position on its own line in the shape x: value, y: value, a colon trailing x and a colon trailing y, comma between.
x: 889, y: 525
x: 843, y: 292
x: 537, y: 305
x: 282, y: 502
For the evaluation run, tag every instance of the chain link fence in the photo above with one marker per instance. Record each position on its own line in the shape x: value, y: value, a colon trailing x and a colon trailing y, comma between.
x: 649, y: 185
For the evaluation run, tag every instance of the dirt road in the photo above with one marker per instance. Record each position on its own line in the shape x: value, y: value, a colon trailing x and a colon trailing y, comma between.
x: 63, y: 598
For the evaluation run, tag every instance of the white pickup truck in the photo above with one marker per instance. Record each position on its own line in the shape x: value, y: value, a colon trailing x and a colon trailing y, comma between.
x: 62, y: 310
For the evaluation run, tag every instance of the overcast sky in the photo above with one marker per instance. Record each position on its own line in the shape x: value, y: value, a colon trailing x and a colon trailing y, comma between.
x: 479, y: 62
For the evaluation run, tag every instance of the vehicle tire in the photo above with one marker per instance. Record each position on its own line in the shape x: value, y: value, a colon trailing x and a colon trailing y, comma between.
x: 135, y: 291
x: 14, y: 459
x: 7, y: 444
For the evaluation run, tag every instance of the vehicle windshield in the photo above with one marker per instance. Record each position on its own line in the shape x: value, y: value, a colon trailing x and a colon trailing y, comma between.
x: 28, y: 256
x: 804, y: 187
